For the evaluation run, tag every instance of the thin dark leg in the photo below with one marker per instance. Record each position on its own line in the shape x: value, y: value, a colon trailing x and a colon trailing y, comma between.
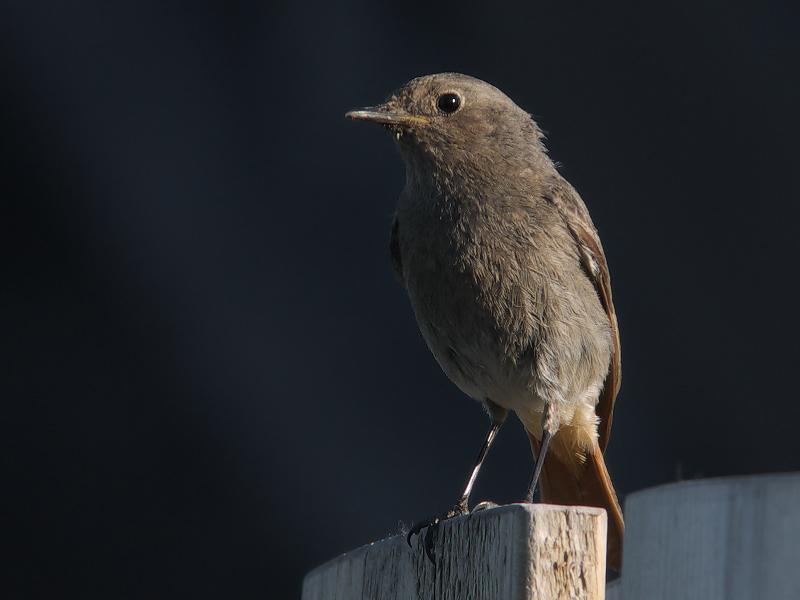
x: 462, y: 507
x: 464, y: 501
x: 537, y: 470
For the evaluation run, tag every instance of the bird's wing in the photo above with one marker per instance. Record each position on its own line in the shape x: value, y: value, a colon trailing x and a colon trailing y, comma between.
x: 394, y: 251
x: 576, y: 216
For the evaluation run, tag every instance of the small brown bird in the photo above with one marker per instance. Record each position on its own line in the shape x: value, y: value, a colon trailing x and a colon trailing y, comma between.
x: 508, y: 282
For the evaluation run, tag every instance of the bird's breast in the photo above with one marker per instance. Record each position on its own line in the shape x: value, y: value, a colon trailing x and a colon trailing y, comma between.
x: 473, y: 305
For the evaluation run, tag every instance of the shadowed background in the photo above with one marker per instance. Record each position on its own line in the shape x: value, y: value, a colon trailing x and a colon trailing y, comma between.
x: 211, y: 382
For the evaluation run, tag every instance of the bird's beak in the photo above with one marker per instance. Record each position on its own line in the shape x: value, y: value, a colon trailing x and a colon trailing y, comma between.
x: 385, y: 115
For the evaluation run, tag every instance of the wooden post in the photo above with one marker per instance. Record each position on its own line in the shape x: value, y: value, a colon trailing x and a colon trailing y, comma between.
x: 708, y: 539
x: 514, y: 552
x: 714, y: 539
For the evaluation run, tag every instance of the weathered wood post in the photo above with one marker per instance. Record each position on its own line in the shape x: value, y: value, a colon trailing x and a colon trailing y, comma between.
x: 713, y: 539
x: 514, y: 552
x: 708, y: 539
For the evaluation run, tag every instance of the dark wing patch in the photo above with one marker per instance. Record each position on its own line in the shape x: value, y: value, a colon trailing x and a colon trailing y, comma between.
x: 579, y: 223
x: 394, y: 252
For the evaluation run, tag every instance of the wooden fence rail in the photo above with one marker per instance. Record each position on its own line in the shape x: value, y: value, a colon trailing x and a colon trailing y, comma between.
x: 718, y: 539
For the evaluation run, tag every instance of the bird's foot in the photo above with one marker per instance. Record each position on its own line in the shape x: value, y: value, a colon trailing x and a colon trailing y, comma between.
x: 432, y: 525
x: 484, y: 505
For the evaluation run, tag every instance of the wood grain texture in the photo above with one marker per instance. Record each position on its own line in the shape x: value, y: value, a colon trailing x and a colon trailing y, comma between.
x: 714, y: 539
x: 514, y: 552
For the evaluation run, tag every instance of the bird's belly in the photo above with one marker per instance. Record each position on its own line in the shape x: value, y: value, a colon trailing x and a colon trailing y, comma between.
x: 480, y: 371
x: 485, y: 340
x: 474, y: 345
x: 478, y: 368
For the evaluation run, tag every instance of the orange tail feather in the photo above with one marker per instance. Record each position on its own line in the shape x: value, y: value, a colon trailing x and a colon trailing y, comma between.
x: 566, y: 480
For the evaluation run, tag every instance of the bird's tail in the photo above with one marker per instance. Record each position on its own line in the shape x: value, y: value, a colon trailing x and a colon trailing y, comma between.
x: 568, y: 480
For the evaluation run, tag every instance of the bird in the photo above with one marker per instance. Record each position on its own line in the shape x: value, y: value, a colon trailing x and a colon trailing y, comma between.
x: 508, y: 282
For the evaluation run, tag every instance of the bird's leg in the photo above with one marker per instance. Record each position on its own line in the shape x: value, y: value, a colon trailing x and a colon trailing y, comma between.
x: 462, y: 506
x: 537, y: 469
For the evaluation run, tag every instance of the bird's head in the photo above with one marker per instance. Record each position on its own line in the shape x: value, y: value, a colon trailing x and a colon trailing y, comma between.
x: 452, y: 120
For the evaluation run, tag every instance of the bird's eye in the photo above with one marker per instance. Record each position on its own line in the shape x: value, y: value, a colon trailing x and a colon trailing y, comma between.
x: 448, y: 103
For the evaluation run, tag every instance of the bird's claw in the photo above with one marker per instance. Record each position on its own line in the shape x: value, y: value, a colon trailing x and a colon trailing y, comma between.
x: 432, y: 525
x: 485, y: 505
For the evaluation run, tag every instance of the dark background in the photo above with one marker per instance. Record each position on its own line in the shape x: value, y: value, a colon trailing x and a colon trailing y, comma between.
x: 210, y: 381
